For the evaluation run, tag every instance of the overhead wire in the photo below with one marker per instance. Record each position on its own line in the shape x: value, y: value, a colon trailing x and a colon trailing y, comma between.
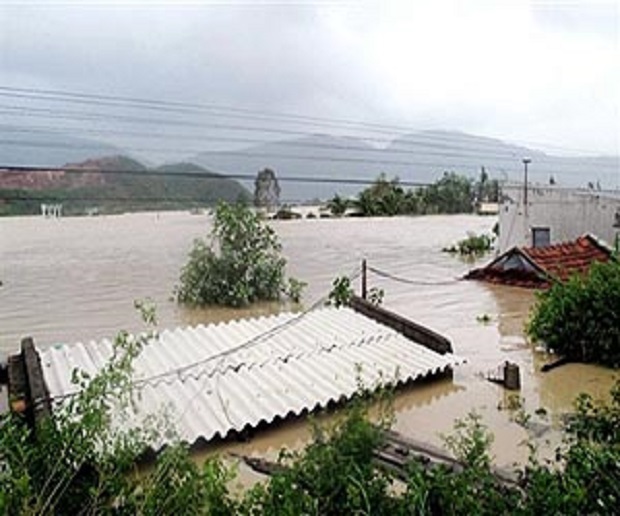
x: 247, y: 344
x: 40, y: 94
x: 195, y: 175
x: 175, y: 149
x: 443, y: 146
x: 408, y: 281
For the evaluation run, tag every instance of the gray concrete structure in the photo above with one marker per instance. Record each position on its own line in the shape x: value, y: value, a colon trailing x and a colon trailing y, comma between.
x: 555, y: 214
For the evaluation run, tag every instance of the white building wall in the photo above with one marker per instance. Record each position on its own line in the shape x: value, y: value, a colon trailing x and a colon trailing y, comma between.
x: 568, y: 213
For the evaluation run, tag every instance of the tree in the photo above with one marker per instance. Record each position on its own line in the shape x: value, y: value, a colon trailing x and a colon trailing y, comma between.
x: 579, y: 319
x: 266, y: 190
x: 383, y: 198
x: 242, y: 264
x: 338, y: 205
x: 487, y: 190
x: 453, y: 193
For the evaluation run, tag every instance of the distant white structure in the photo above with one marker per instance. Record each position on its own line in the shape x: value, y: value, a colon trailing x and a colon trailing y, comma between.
x: 51, y: 210
x: 554, y: 214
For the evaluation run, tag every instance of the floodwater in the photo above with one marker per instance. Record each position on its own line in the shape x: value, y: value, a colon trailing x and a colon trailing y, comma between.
x: 75, y: 279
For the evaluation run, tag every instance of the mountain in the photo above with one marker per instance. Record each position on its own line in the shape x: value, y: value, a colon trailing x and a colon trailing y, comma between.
x: 114, y: 184
x: 318, y: 156
x: 417, y: 157
x: 466, y: 153
x: 48, y: 149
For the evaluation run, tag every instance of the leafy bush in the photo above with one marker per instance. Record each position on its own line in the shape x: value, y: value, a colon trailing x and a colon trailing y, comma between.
x: 473, y: 245
x: 74, y: 460
x: 580, y: 319
x: 241, y: 265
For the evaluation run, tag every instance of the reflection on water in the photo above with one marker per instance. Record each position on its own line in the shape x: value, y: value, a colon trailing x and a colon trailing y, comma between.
x: 76, y: 278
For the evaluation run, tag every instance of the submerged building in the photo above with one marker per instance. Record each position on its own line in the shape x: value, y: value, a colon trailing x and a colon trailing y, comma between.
x: 538, y: 216
x: 539, y: 267
x: 220, y: 380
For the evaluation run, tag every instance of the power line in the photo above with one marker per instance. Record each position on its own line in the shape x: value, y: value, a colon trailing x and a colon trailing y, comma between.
x: 248, y: 344
x: 469, y: 152
x: 226, y: 111
x: 196, y: 175
x: 202, y: 175
x: 407, y: 281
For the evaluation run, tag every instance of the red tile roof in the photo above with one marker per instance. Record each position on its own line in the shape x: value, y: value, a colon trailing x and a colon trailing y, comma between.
x: 563, y: 260
x: 538, y: 267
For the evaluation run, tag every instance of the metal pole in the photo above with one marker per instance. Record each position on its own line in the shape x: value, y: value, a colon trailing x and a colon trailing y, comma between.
x: 526, y: 162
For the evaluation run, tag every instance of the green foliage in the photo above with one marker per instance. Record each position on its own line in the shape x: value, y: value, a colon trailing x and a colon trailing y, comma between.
x: 77, y: 465
x: 452, y: 193
x: 382, y: 198
x: 334, y: 475
x: 376, y: 295
x: 242, y: 264
x: 114, y: 192
x: 473, y: 245
x: 338, y: 205
x: 579, y: 318
x: 341, y: 292
x: 74, y: 461
x: 295, y: 289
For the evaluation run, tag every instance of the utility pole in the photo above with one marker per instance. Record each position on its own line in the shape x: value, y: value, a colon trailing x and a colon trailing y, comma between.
x: 526, y: 162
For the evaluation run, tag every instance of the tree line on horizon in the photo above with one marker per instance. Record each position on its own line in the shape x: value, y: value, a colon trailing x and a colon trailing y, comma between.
x: 452, y: 193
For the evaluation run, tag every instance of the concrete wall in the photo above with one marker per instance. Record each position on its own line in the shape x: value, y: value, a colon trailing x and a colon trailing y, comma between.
x: 568, y: 213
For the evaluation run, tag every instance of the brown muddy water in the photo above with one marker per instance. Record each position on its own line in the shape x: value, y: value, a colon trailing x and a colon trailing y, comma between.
x: 75, y: 279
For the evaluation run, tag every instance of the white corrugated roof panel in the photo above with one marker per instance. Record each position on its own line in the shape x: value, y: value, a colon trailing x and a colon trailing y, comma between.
x: 229, y: 376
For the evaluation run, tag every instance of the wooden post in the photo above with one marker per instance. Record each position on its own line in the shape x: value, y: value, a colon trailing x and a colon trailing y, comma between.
x: 364, y: 277
x: 512, y: 377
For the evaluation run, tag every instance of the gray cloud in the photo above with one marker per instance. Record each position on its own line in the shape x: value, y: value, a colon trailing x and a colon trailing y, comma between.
x: 541, y: 74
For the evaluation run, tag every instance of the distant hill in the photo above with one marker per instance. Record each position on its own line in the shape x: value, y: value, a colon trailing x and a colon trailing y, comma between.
x: 419, y: 157
x: 116, y: 184
x: 317, y: 156
x: 48, y: 149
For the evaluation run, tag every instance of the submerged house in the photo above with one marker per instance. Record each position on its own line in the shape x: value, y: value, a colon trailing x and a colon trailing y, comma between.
x: 221, y: 380
x: 542, y: 215
x: 539, y: 267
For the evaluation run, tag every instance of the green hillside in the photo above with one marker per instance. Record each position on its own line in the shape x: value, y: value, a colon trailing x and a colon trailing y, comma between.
x: 119, y: 184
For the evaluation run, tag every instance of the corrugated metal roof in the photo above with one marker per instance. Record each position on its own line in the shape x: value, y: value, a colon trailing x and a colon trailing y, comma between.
x: 230, y: 376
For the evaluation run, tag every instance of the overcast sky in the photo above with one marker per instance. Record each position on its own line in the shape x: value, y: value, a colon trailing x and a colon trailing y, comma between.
x: 524, y: 71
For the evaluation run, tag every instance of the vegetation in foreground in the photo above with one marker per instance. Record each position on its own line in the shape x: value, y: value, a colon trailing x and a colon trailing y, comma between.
x: 580, y: 319
x: 241, y: 265
x: 77, y: 463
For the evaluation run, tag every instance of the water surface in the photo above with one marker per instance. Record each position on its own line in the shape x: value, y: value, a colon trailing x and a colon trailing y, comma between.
x: 75, y: 279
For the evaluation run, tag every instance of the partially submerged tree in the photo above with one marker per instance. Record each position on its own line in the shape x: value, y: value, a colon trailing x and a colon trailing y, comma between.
x: 452, y: 193
x: 266, y: 190
x: 580, y: 318
x: 240, y: 265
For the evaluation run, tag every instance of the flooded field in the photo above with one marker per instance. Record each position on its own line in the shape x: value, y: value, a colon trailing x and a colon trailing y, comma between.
x: 75, y: 279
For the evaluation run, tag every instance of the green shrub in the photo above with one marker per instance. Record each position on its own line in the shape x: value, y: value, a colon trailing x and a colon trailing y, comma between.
x: 241, y: 265
x: 580, y: 318
x: 473, y: 245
